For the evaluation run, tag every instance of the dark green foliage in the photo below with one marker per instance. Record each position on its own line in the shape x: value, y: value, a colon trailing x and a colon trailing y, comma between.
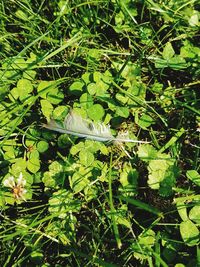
x: 133, y: 65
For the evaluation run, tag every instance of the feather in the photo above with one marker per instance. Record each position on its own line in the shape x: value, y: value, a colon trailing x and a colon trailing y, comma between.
x: 75, y: 125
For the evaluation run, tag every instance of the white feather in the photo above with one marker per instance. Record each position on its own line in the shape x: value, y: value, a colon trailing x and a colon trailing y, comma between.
x: 75, y: 125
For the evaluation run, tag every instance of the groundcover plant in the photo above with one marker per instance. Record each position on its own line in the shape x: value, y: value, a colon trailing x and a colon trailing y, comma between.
x: 77, y: 80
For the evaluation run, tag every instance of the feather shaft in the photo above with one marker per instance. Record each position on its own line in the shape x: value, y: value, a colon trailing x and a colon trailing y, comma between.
x: 77, y: 126
x: 52, y: 125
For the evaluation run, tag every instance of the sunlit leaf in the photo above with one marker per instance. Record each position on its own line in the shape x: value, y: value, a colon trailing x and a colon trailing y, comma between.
x: 96, y: 112
x: 168, y: 51
x: 189, y: 233
x: 194, y: 176
x: 194, y: 214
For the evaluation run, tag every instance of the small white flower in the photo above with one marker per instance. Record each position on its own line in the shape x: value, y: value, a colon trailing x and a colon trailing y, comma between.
x: 18, y: 189
x: 9, y: 182
x: 21, y: 181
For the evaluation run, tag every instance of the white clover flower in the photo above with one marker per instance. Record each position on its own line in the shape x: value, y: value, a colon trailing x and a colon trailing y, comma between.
x: 21, y: 181
x: 9, y: 182
x: 18, y: 189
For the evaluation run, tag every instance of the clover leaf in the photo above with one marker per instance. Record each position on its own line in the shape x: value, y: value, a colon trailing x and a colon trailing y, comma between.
x: 62, y: 202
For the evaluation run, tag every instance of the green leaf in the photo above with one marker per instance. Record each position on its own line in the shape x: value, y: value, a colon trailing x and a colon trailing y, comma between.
x: 145, y: 121
x: 9, y: 148
x: 97, y: 76
x: 62, y: 202
x: 29, y: 74
x: 92, y: 88
x: 86, y: 77
x: 80, y: 179
x: 96, y: 112
x: 19, y: 63
x: 86, y: 157
x: 49, y: 180
x: 18, y: 166
x: 60, y: 113
x: 137, y: 89
x: 34, y: 132
x: 168, y: 51
x: 90, y: 193
x: 104, y: 149
x: 55, y: 176
x: 33, y: 163
x: 188, y: 50
x: 8, y: 198
x: 45, y: 87
x: 101, y: 89
x: 189, y: 233
x: 122, y: 112
x: 128, y: 175
x: 86, y: 101
x: 167, y: 184
x: 147, y: 238
x: 157, y: 88
x: 194, y: 214
x: 146, y: 152
x: 76, y: 148
x: 129, y: 180
x: 62, y: 230
x: 46, y: 108
x: 64, y: 141
x: 24, y: 88
x: 121, y: 98
x: 76, y: 88
x: 194, y: 19
x: 182, y: 210
x: 194, y: 176
x: 42, y: 146
x: 55, y: 96
x: 142, y: 248
x: 161, y: 173
x: 14, y: 94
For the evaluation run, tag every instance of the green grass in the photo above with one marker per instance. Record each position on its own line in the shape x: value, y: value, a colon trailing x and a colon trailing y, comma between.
x: 133, y: 65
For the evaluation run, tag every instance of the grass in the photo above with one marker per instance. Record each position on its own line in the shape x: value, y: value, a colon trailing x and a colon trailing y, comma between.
x: 133, y: 65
